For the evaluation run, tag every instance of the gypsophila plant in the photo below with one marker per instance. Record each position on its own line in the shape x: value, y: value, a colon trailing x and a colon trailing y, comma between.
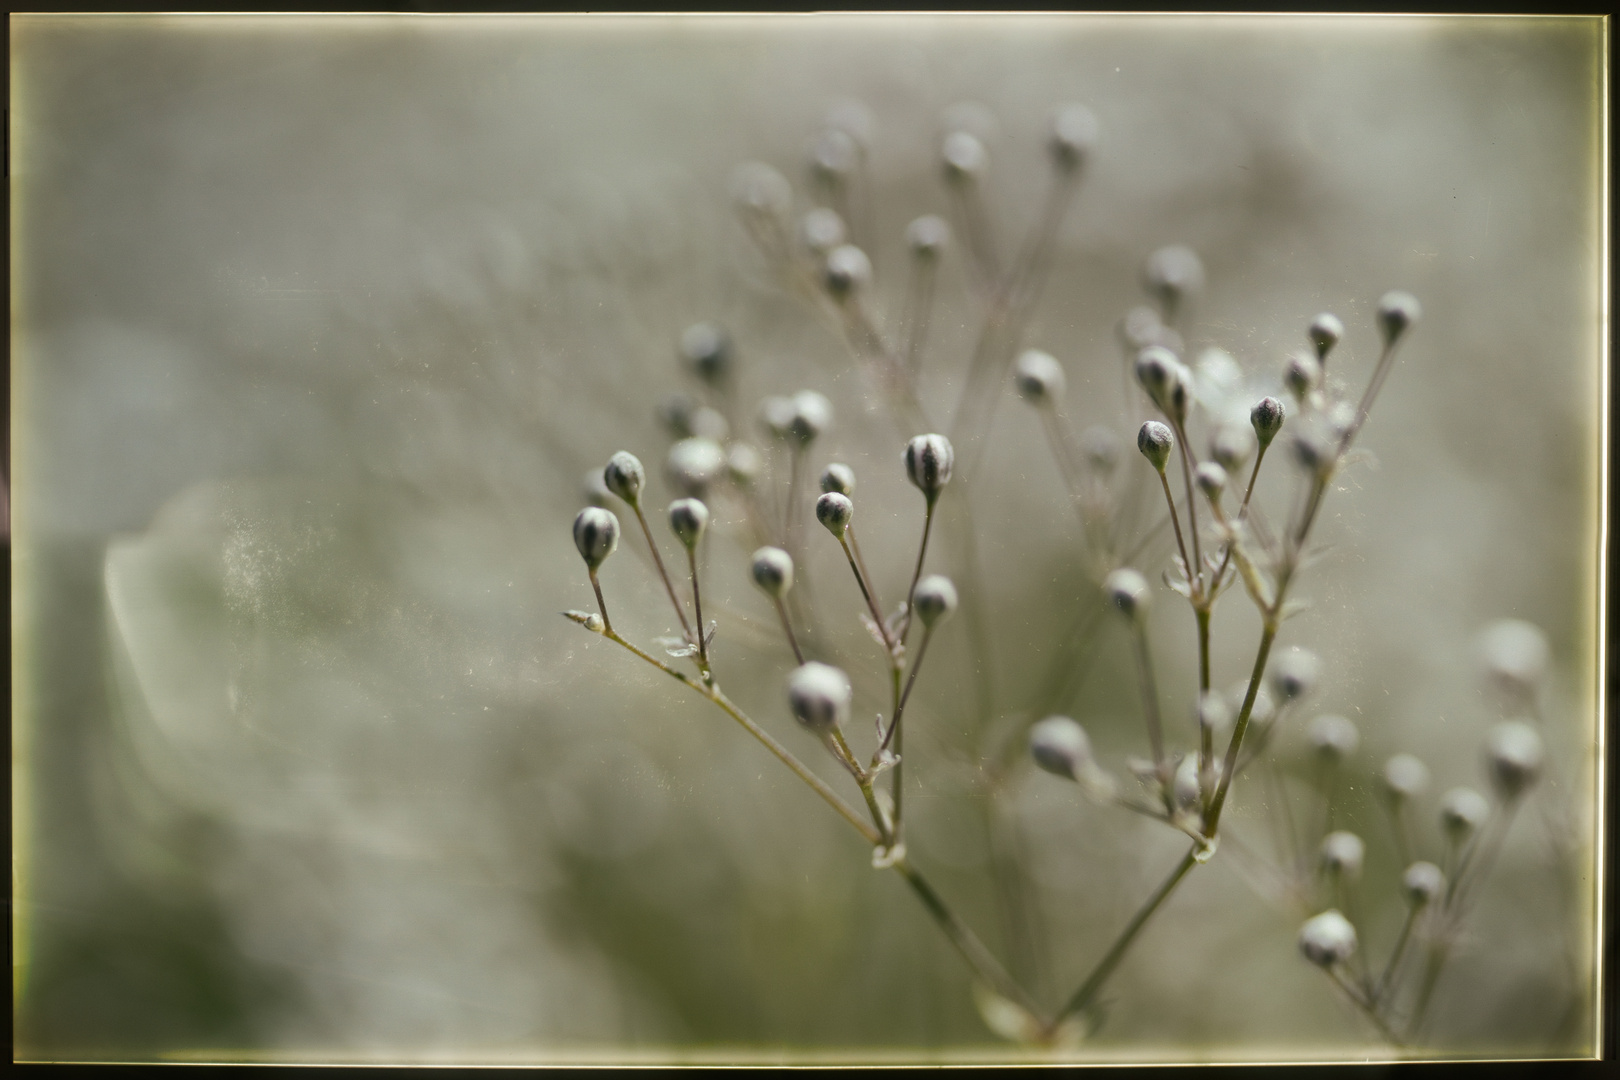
x: 1203, y: 440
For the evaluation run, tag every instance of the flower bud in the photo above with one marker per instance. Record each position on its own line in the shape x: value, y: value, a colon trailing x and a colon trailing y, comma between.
x: 773, y: 571
x: 927, y: 236
x: 776, y: 414
x: 709, y: 423
x: 1060, y: 746
x: 1405, y: 777
x: 847, y: 270
x: 835, y: 511
x: 1340, y: 417
x: 1267, y: 418
x: 1462, y: 811
x: 1316, y: 451
x: 1173, y: 274
x: 1513, y: 752
x: 693, y: 464
x: 855, y: 119
x: 1164, y: 378
x: 595, y: 491
x: 758, y: 188
x: 934, y: 599
x: 706, y: 349
x: 1231, y: 446
x: 1261, y: 713
x: 1396, y: 312
x: 964, y: 157
x: 1155, y: 442
x: 1213, y: 711
x: 1294, y: 674
x: 1327, y: 939
x: 1073, y: 134
x: 1184, y: 786
x: 929, y: 459
x: 1140, y: 328
x: 596, y: 534
x: 834, y: 154
x: 1325, y: 332
x: 1342, y: 854
x: 688, y: 517
x: 812, y: 414
x: 1128, y: 591
x: 1039, y: 377
x: 1422, y: 883
x: 743, y: 463
x: 1210, y: 478
x: 1333, y: 738
x: 1101, y: 447
x: 821, y: 230
x: 624, y: 476
x: 1301, y: 374
x: 675, y: 413
x: 1515, y: 655
x: 819, y: 695
x: 838, y: 477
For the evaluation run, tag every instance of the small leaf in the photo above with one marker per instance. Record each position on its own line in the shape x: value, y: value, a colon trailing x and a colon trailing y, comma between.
x: 1006, y: 1018
x: 1177, y: 585
x: 886, y: 759
x: 582, y: 617
x: 682, y: 652
x: 1292, y: 608
x: 885, y: 857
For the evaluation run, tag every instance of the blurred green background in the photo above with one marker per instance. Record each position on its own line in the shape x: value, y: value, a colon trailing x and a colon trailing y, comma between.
x: 317, y: 324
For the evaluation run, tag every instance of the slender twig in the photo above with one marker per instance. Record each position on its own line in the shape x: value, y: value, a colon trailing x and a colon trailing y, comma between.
x: 1229, y: 769
x: 697, y: 606
x: 1368, y: 1008
x: 787, y: 627
x: 911, y: 681
x: 866, y: 593
x: 658, y: 561
x: 1175, y: 520
x: 1396, y: 954
x: 911, y: 591
x: 1150, y: 714
x: 601, y: 604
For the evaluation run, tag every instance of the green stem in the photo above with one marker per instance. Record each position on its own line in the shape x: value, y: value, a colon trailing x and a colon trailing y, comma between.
x: 871, y: 603
x: 600, y: 603
x: 697, y: 606
x: 1229, y: 769
x: 1150, y: 713
x: 1175, y: 520
x: 922, y: 549
x: 658, y: 561
x: 787, y: 627
x: 1396, y: 954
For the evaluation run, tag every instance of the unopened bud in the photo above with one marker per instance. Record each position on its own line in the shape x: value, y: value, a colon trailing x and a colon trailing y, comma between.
x: 1267, y: 418
x: 963, y: 156
x: 760, y: 189
x: 707, y: 351
x: 675, y: 412
x: 1101, y: 447
x: 688, y: 518
x: 1301, y: 374
x: 1210, y: 479
x: 928, y: 236
x: 821, y: 230
x: 1073, y: 134
x: 1155, y: 442
x: 1515, y: 655
x: 812, y: 414
x: 773, y: 571
x: 1172, y: 275
x: 743, y: 463
x: 834, y: 154
x: 1213, y: 711
x: 1514, y: 753
x: 1405, y: 777
x: 1039, y: 377
x: 934, y: 599
x: 693, y: 464
x: 819, y: 695
x: 1333, y: 738
x: 1060, y: 746
x: 1342, y: 854
x: 1462, y: 811
x: 1397, y: 311
x: 624, y: 476
x: 1316, y: 451
x: 1422, y: 883
x: 835, y: 511
x: 596, y: 534
x: 1325, y: 332
x: 847, y: 270
x: 1128, y: 591
x: 853, y: 117
x: 1294, y: 674
x: 1231, y: 446
x: 1261, y: 713
x: 838, y: 477
x: 1327, y: 939
x: 709, y: 423
x: 1140, y: 328
x: 1164, y: 378
x: 776, y: 414
x: 929, y: 459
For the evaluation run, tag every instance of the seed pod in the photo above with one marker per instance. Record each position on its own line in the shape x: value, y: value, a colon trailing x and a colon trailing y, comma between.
x: 1101, y: 447
x: 706, y: 349
x: 847, y: 271
x: 595, y: 491
x: 1327, y: 939
x: 1128, y: 591
x: 1405, y: 777
x: 773, y: 571
x: 1396, y: 312
x: 1210, y: 479
x: 835, y: 511
x: 1325, y: 332
x: 964, y: 157
x: 1515, y: 655
x: 1073, y: 134
x: 1039, y: 377
x: 1514, y: 753
x: 1060, y: 746
x: 1231, y: 446
x: 776, y: 414
x: 757, y: 188
x: 934, y: 599
x: 1342, y: 854
x: 821, y: 230
x: 1333, y: 738
x: 1462, y: 811
x: 689, y: 518
x: 1267, y: 418
x: 624, y: 476
x: 929, y: 459
x: 675, y: 412
x: 1302, y: 374
x: 1422, y: 883
x: 743, y: 463
x: 708, y: 423
x: 838, y: 477
x: 596, y: 534
x: 1155, y: 442
x: 834, y: 154
x: 1294, y: 674
x: 819, y: 695
x: 693, y: 464
x: 928, y: 236
x: 1172, y: 275
x: 1164, y: 378
x: 812, y: 414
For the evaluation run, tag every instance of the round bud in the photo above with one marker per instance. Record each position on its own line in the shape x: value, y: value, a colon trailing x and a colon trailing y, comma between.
x: 1294, y: 674
x: 854, y: 118
x: 1210, y: 479
x: 743, y: 463
x: 1342, y: 854
x: 963, y: 156
x: 812, y: 414
x: 929, y: 459
x: 776, y: 414
x: 1422, y: 883
x: 596, y: 534
x: 1140, y: 328
x: 624, y: 476
x: 838, y: 477
x: 1073, y: 134
x: 1184, y: 786
x: 1513, y: 752
x: 927, y: 236
x: 1396, y: 312
x: 847, y: 270
x: 706, y: 349
x: 693, y: 464
x: 773, y: 571
x: 1216, y: 374
x: 675, y: 412
x: 1316, y: 451
x: 1101, y: 447
x: 1327, y: 939
x: 1213, y: 711
x: 760, y: 189
x: 1155, y: 442
x: 934, y: 599
x: 1060, y: 746
x: 1164, y: 378
x: 1128, y: 591
x: 688, y: 517
x: 834, y: 154
x: 708, y: 423
x: 1172, y: 274
x: 819, y: 695
x: 1039, y: 377
x: 1267, y: 418
x: 1462, y: 811
x: 1405, y: 777
x: 821, y: 230
x: 1515, y: 655
x: 1231, y: 446
x: 835, y: 511
x: 1262, y: 712
x: 1325, y: 332
x: 1340, y: 417
x: 595, y: 491
x: 1301, y: 374
x: 1332, y: 737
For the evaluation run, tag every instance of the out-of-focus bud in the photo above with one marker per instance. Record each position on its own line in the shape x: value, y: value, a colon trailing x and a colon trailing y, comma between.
x: 1422, y: 883
x: 1515, y: 655
x: 773, y: 571
x: 776, y: 414
x: 706, y: 349
x: 1405, y: 777
x: 1261, y: 713
x: 847, y: 271
x: 1073, y: 134
x: 929, y: 459
x: 1462, y: 811
x: 1060, y: 746
x: 596, y: 534
x: 1210, y: 479
x: 693, y: 464
x: 838, y: 477
x: 934, y: 599
x: 812, y: 414
x: 757, y: 188
x: 1342, y: 854
x: 743, y: 463
x: 1316, y: 451
x: 1214, y: 712
x: 1140, y: 328
x: 1155, y: 442
x: 1172, y: 275
x: 1513, y: 752
x: 689, y: 518
x: 1039, y: 377
x: 1325, y: 332
x: 835, y: 511
x: 819, y: 695
x: 1101, y: 447
x: 675, y: 413
x: 1267, y: 418
x: 1294, y: 673
x: 928, y: 236
x: 1231, y: 446
x: 1128, y: 591
x: 708, y: 423
x: 1302, y: 374
x: 1397, y: 311
x: 821, y: 230
x: 963, y: 157
x: 854, y: 118
x: 1164, y: 378
x: 1327, y: 939
x: 834, y: 154
x: 1333, y: 738
x: 624, y: 476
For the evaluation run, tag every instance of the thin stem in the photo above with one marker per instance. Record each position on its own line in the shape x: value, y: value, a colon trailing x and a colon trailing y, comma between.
x: 658, y: 561
x: 1365, y: 406
x: 787, y: 627
x: 697, y: 605
x: 894, y: 725
x: 601, y: 604
x: 1206, y: 734
x: 976, y: 225
x: 1361, y: 1002
x: 1195, y: 572
x: 1243, y: 513
x: 790, y: 533
x: 1396, y: 954
x: 1175, y: 520
x: 1150, y: 712
x: 921, y: 306
x: 871, y: 603
x: 911, y: 592
x: 1229, y: 769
